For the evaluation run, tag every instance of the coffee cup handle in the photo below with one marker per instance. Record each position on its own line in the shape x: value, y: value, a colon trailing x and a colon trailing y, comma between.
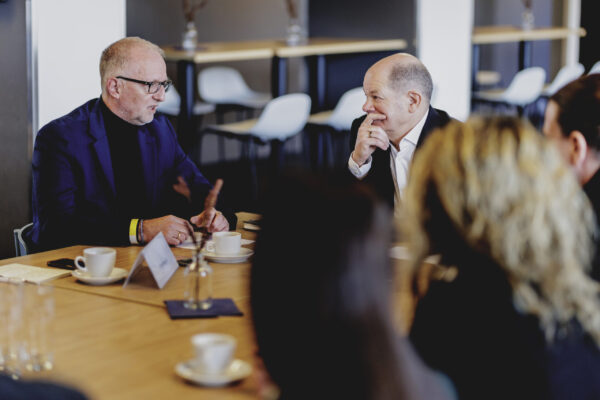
x: 77, y: 259
x: 210, y: 247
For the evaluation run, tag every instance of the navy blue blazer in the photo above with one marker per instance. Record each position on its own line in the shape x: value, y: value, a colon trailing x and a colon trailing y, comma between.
x: 380, y: 177
x: 74, y: 197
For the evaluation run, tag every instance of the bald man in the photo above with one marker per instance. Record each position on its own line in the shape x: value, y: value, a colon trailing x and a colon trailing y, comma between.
x: 110, y: 172
x: 399, y: 117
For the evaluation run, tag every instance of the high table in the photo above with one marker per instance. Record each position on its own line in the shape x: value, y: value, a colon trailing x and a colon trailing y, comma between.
x: 119, y: 343
x: 504, y: 34
x: 278, y: 51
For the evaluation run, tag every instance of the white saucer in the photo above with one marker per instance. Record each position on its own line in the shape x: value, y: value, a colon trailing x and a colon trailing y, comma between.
x: 242, y: 256
x: 115, y: 275
x: 236, y: 371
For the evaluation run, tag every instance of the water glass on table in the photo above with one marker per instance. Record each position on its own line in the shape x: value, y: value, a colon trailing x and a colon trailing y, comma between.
x: 11, y: 330
x: 39, y: 301
x: 198, y: 284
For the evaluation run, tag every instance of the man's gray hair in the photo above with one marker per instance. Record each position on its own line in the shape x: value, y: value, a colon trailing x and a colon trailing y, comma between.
x: 412, y: 75
x: 115, y: 57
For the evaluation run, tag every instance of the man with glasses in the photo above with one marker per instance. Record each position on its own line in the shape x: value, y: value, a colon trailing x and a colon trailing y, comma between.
x: 111, y: 172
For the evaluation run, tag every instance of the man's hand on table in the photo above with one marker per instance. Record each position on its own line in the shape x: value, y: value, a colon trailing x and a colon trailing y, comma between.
x: 176, y: 230
x: 212, y: 219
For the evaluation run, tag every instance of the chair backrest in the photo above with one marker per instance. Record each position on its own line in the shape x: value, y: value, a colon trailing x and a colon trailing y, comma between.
x: 347, y: 109
x: 566, y: 74
x: 526, y: 86
x: 171, y: 103
x: 283, y: 117
x: 221, y: 84
x: 595, y: 68
x: 21, y: 246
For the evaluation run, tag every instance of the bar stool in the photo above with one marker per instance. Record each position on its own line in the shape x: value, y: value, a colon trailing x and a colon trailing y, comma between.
x: 524, y: 89
x: 172, y: 102
x: 565, y: 75
x: 334, y: 126
x: 282, y: 118
x: 225, y: 88
x: 595, y: 68
x: 170, y: 106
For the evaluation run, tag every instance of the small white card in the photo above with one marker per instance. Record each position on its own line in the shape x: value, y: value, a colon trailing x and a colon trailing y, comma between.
x: 160, y: 260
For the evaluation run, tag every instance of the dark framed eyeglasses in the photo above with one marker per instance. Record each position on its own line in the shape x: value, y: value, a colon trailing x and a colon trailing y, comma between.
x: 153, y: 87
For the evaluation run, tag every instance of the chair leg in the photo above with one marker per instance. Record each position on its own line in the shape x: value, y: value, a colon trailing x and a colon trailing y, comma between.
x: 220, y: 117
x: 330, y: 158
x: 251, y: 154
x: 276, y: 158
x: 197, y: 155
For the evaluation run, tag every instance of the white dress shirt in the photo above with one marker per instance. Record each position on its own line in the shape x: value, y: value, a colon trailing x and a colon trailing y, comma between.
x: 400, y: 160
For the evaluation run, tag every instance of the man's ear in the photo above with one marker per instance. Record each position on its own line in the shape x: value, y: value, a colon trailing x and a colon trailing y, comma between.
x: 415, y: 100
x: 113, y: 88
x: 578, y: 149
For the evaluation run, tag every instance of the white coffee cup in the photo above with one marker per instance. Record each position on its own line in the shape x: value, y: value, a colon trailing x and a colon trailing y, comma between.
x: 214, y: 351
x: 99, y: 261
x: 226, y: 243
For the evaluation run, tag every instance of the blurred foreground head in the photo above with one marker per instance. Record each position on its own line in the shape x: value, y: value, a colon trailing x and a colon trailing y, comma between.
x: 494, y: 186
x: 320, y: 292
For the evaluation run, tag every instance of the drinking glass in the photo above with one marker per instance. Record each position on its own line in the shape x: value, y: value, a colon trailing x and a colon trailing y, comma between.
x: 12, y: 346
x: 39, y: 302
x: 198, y: 286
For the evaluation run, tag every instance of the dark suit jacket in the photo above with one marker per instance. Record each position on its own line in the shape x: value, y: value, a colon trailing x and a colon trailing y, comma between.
x: 380, y: 176
x: 74, y: 198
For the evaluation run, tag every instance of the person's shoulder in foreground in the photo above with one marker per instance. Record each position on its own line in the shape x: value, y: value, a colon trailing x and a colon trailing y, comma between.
x: 510, y: 312
x: 324, y: 321
x: 18, y: 390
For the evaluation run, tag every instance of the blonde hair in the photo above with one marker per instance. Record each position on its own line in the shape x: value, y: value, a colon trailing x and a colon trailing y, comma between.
x: 116, y: 56
x: 507, y: 194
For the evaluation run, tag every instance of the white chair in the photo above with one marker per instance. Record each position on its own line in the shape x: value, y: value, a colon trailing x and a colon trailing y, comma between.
x: 595, y: 68
x: 224, y: 85
x: 282, y: 118
x: 567, y: 74
x: 339, y: 120
x: 21, y: 246
x: 226, y: 89
x: 524, y: 89
x: 347, y: 109
x: 172, y: 102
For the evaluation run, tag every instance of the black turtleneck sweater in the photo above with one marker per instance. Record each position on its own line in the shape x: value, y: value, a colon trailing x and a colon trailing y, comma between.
x: 123, y: 141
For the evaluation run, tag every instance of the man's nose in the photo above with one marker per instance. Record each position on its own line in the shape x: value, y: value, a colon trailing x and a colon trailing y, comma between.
x: 161, y: 94
x: 368, y: 106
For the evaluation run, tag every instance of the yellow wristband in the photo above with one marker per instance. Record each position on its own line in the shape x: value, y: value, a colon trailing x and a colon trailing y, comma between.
x: 133, y: 231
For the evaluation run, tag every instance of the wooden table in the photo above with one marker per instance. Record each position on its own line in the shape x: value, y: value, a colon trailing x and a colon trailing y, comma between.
x: 504, y: 34
x: 119, y: 343
x: 278, y: 51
